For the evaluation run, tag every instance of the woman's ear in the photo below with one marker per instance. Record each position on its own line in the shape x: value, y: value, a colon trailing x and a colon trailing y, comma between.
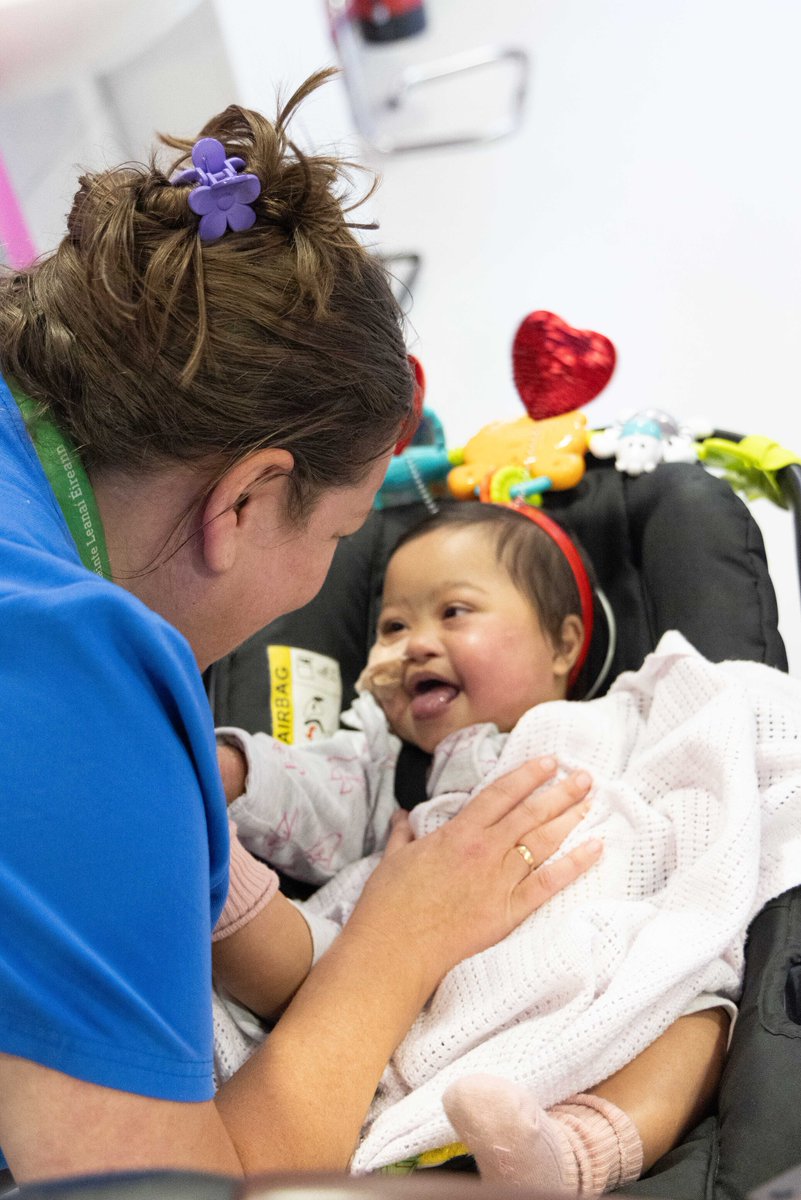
x: 256, y: 484
x: 571, y: 641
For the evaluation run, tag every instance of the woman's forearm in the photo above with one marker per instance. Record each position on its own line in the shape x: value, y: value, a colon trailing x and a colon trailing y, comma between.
x: 300, y: 1100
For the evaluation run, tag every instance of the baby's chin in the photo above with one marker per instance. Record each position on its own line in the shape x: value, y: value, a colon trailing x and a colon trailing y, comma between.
x: 426, y: 739
x: 430, y: 743
x: 403, y: 729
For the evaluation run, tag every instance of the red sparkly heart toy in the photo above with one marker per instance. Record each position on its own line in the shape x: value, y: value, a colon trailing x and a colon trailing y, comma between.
x: 556, y: 368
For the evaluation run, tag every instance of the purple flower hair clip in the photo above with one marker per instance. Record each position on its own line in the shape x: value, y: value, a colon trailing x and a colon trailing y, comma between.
x: 222, y: 198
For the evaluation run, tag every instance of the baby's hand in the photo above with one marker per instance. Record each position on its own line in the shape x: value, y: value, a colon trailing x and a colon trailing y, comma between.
x: 383, y: 675
x: 233, y: 770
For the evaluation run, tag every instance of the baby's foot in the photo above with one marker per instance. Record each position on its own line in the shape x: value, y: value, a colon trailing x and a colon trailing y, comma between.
x: 580, y: 1148
x: 509, y: 1134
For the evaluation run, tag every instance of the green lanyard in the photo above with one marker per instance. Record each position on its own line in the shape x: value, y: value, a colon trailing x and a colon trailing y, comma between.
x: 70, y: 483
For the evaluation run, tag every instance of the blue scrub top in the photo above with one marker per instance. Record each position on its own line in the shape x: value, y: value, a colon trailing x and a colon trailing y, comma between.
x: 113, y: 829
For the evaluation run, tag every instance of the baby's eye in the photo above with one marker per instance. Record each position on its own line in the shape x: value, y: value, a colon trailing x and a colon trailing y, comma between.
x: 390, y: 627
x: 454, y: 610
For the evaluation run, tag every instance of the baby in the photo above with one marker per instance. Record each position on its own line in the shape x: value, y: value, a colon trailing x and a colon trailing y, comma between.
x: 480, y: 637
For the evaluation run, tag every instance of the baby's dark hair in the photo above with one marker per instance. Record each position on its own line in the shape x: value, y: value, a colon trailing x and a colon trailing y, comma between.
x: 529, y: 555
x: 148, y: 347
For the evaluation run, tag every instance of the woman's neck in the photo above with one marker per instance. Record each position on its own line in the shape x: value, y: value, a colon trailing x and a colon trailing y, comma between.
x: 150, y: 527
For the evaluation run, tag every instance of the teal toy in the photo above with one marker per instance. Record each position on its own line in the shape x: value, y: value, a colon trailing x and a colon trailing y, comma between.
x: 421, y: 469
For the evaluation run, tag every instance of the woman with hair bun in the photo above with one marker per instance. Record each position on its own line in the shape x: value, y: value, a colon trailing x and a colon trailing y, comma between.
x: 201, y: 389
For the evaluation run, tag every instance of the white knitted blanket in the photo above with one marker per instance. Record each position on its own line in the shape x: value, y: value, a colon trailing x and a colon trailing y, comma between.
x: 697, y: 797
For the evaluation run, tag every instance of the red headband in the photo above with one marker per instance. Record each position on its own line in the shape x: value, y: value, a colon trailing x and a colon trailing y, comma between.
x: 579, y: 574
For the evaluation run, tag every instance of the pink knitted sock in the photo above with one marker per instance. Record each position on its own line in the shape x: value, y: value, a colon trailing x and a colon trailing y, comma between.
x: 582, y: 1147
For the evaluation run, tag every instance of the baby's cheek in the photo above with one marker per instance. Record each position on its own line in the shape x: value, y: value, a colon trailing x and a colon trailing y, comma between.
x: 503, y: 687
x: 393, y: 710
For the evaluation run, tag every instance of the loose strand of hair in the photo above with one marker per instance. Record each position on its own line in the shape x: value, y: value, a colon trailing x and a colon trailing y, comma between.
x: 287, y: 110
x: 168, y: 264
x: 196, y: 357
x: 110, y: 243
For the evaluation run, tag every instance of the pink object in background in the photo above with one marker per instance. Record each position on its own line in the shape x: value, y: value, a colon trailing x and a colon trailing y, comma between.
x: 15, y: 238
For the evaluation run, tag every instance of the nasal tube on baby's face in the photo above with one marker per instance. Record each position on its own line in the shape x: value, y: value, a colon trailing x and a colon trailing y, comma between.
x: 383, y: 675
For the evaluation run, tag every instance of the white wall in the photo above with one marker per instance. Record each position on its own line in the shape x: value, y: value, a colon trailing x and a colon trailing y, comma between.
x: 144, y: 76
x: 653, y: 192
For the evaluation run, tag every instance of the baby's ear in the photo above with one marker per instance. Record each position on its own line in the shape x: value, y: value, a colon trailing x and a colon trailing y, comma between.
x: 571, y: 641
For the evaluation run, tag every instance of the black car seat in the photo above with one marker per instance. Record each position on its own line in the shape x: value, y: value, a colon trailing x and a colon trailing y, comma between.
x: 672, y: 549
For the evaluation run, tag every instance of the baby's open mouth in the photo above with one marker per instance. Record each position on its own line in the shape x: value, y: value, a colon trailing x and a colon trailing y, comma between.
x: 430, y: 696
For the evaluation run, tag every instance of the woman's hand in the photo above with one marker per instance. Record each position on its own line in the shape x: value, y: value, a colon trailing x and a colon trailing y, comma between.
x: 467, y: 885
x: 429, y: 904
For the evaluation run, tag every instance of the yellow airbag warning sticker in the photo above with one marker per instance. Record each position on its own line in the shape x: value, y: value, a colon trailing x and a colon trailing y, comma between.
x: 305, y: 694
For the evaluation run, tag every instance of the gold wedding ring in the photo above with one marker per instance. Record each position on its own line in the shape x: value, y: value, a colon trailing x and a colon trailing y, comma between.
x: 526, y: 855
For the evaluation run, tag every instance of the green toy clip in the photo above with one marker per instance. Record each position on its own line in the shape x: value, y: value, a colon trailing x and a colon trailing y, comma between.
x: 750, y: 466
